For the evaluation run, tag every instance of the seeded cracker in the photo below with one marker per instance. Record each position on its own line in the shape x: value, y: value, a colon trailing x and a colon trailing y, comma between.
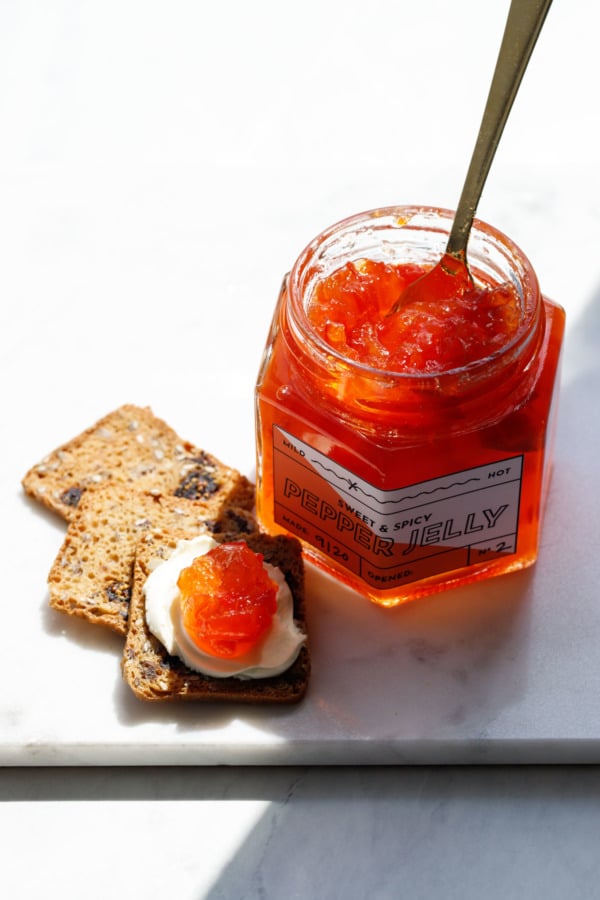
x: 92, y: 574
x: 155, y: 675
x: 132, y: 446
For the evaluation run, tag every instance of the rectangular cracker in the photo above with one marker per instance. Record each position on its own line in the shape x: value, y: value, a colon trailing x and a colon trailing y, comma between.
x: 154, y: 675
x: 92, y: 574
x: 132, y: 446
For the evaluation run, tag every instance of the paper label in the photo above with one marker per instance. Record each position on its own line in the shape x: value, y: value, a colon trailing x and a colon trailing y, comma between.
x: 393, y: 537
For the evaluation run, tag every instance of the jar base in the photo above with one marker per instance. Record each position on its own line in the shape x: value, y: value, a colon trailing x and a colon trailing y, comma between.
x: 401, y: 595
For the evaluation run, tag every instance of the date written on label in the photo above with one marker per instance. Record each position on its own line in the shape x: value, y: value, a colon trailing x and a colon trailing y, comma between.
x: 319, y: 540
x: 332, y: 549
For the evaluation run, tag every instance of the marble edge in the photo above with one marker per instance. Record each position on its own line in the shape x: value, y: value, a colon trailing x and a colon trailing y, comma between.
x: 579, y: 751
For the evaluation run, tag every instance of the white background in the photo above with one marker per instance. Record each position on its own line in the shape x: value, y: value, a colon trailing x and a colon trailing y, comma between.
x: 161, y: 166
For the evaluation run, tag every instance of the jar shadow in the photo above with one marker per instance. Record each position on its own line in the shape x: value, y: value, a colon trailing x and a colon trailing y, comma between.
x: 469, y: 665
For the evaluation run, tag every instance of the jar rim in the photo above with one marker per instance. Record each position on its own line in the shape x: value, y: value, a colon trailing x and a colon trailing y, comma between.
x: 421, y: 219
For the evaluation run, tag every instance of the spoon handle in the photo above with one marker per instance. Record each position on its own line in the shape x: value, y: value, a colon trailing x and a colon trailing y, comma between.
x: 523, y: 25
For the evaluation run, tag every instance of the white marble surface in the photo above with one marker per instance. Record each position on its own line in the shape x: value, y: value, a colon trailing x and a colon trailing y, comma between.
x: 149, y: 215
x: 161, y: 165
x: 262, y: 834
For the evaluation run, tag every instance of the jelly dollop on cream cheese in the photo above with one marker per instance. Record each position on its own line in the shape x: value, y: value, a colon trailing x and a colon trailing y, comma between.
x: 271, y: 656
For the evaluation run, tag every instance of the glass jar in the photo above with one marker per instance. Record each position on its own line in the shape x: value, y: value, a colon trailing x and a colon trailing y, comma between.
x: 398, y: 484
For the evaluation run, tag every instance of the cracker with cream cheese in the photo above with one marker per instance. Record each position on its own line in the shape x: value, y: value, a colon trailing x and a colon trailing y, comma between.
x: 155, y: 675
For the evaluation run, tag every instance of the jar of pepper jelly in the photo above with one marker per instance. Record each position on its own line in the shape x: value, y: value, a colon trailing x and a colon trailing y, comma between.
x: 402, y: 480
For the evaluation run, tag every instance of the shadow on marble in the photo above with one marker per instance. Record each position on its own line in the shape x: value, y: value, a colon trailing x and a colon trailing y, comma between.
x: 445, y: 667
x: 424, y: 833
x: 318, y: 785
x: 461, y: 833
x: 423, y: 669
x: 89, y: 637
x: 447, y: 664
x: 576, y: 476
x: 52, y: 519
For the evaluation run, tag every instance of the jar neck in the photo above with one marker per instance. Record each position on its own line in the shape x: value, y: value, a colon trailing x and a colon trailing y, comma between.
x: 398, y: 404
x: 379, y: 402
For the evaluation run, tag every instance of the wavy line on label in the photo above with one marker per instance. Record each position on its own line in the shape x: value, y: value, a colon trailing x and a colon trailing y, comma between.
x: 354, y: 486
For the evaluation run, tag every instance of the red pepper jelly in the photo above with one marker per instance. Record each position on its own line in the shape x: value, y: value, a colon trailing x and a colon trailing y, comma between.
x: 364, y: 311
x: 409, y: 452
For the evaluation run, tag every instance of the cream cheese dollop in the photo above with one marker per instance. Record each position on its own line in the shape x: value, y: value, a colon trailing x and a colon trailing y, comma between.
x: 273, y: 655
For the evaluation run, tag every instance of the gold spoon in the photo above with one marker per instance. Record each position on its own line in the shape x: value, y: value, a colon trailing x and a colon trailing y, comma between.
x: 451, y: 274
